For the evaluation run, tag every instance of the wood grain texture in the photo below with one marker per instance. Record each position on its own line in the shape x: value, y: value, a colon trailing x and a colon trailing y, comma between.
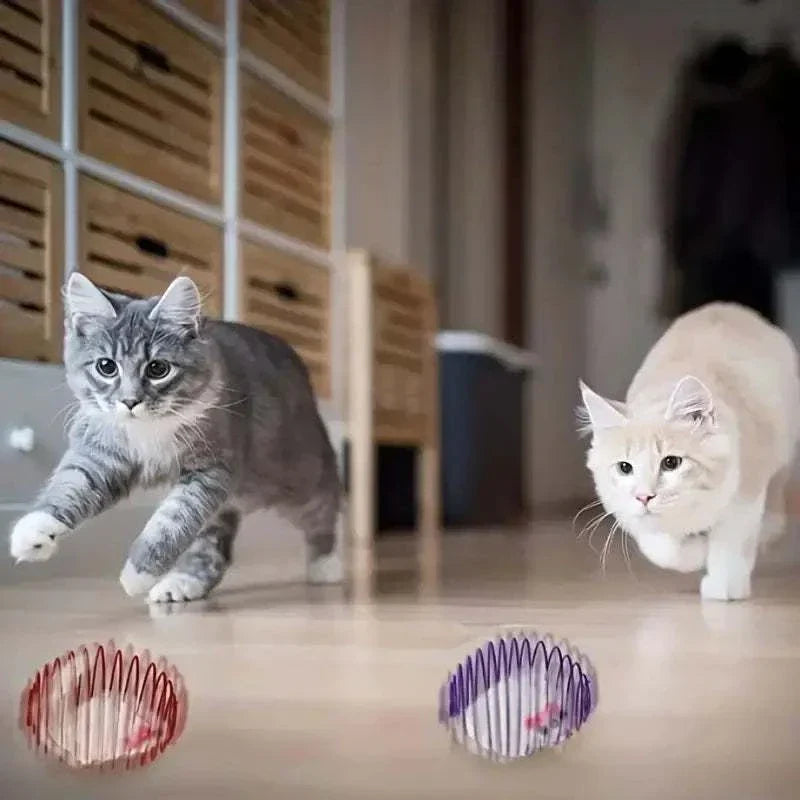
x: 290, y: 298
x: 293, y: 37
x: 285, y: 162
x: 30, y: 65
x: 151, y: 99
x: 132, y: 245
x: 31, y: 255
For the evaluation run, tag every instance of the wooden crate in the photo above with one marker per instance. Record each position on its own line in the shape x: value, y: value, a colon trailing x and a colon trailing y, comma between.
x: 294, y: 37
x: 31, y: 255
x: 150, y: 97
x: 30, y: 73
x: 135, y: 246
x: 285, y: 153
x: 290, y: 298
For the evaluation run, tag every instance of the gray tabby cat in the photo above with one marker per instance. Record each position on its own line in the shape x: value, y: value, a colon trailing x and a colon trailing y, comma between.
x: 223, y: 413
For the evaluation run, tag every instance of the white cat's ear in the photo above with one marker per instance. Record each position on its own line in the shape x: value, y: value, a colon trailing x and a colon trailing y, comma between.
x: 602, y: 413
x: 180, y: 304
x: 83, y: 299
x: 690, y: 400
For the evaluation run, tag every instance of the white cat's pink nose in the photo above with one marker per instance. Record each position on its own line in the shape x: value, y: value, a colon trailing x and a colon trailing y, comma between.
x: 644, y: 499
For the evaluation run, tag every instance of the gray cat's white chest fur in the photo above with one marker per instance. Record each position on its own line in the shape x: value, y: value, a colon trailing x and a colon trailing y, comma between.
x: 155, y: 447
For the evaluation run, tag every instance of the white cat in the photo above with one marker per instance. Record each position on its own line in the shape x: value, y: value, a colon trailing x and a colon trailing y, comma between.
x: 694, y: 464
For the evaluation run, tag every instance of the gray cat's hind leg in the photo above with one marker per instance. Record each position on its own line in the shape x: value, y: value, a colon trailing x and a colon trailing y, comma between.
x: 320, y: 519
x: 202, y: 565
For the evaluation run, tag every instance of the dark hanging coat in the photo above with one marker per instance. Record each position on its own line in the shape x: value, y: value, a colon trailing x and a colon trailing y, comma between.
x: 732, y: 185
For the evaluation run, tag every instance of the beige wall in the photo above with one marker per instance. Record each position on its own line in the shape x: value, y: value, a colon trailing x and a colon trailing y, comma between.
x: 474, y: 266
x: 377, y: 100
x: 560, y: 87
x: 424, y: 146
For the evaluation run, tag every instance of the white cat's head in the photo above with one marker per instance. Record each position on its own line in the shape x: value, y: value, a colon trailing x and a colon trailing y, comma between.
x: 667, y: 470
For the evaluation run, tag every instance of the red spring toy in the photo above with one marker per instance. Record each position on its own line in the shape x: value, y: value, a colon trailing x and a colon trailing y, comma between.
x: 99, y: 706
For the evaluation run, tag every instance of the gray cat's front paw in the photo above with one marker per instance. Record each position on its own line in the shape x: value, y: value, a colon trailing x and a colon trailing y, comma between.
x: 135, y: 582
x: 35, y: 536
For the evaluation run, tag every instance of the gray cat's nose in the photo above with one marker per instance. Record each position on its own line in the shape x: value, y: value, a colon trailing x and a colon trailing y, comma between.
x: 131, y: 402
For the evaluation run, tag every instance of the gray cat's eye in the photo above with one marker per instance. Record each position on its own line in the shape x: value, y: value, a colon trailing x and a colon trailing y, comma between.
x: 670, y: 463
x: 625, y: 467
x: 105, y: 367
x: 157, y: 369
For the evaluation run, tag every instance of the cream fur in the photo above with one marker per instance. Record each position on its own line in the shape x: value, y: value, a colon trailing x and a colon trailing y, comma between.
x: 720, y: 390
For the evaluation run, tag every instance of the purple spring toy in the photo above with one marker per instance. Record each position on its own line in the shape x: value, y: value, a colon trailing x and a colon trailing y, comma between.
x: 516, y: 695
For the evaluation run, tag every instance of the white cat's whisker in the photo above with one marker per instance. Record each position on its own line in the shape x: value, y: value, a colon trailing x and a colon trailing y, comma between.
x: 587, y: 507
x: 592, y: 524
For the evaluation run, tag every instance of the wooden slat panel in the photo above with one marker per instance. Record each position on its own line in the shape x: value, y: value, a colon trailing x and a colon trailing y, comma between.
x: 117, y: 280
x: 289, y: 298
x: 21, y: 223
x: 22, y: 333
x: 114, y: 253
x: 114, y: 80
x: 110, y: 207
x: 290, y: 38
x: 285, y: 158
x: 212, y: 11
x: 19, y: 289
x: 151, y: 100
x: 23, y: 257
x: 22, y: 59
x: 15, y: 161
x: 22, y: 191
x: 21, y: 26
x: 403, y: 352
x: 147, y: 125
x: 178, y: 85
x: 35, y: 7
x: 30, y: 55
x: 30, y: 275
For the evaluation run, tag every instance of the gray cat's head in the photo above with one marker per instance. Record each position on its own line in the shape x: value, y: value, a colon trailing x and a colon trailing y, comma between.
x: 135, y: 359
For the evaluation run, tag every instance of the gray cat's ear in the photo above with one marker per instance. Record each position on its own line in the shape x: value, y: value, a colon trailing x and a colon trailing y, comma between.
x: 601, y: 414
x: 83, y: 299
x: 690, y: 399
x: 180, y: 304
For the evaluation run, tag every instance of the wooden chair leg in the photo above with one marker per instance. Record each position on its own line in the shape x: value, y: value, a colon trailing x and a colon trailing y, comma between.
x: 429, y: 524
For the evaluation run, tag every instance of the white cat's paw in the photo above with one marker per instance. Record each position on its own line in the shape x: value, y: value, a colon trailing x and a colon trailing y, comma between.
x: 326, y: 569
x: 35, y: 536
x: 135, y: 582
x: 177, y: 587
x: 725, y: 586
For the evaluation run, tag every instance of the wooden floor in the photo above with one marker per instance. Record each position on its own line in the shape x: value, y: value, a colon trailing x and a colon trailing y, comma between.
x: 298, y: 692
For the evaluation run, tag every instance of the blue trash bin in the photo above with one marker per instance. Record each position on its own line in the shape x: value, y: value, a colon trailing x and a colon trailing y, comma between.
x: 481, y: 382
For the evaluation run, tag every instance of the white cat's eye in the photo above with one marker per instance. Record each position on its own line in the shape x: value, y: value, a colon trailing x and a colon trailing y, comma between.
x: 670, y: 463
x: 105, y: 367
x: 625, y: 467
x: 157, y: 369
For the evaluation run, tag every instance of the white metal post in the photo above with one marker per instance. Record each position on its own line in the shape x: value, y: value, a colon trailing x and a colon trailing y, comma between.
x: 338, y: 207
x: 230, y: 164
x: 69, y: 131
